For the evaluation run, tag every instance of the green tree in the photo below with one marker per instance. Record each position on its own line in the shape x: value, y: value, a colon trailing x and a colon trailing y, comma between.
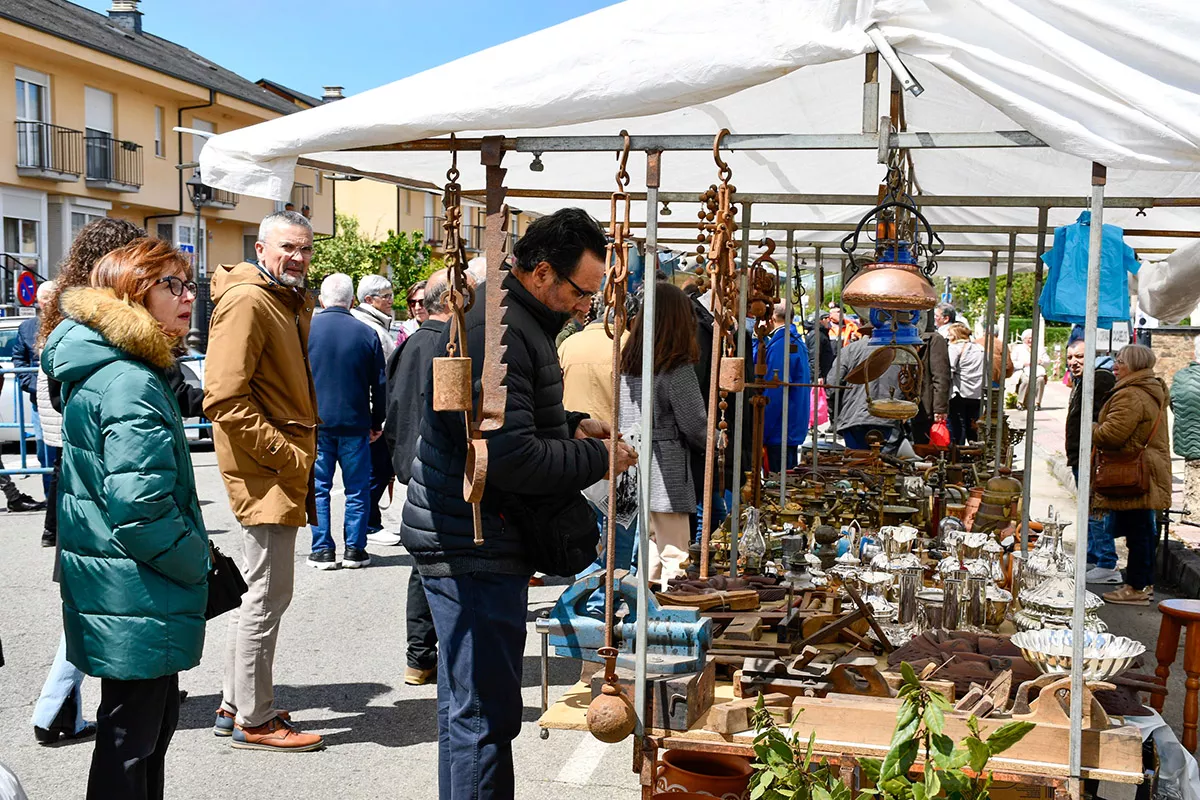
x: 971, y: 295
x: 409, y: 259
x: 348, y: 251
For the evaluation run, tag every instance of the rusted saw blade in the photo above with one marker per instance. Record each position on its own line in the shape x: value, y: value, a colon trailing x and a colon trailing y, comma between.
x: 495, y: 238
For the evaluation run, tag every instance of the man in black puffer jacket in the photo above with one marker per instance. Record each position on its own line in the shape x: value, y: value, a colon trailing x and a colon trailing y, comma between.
x: 478, y: 593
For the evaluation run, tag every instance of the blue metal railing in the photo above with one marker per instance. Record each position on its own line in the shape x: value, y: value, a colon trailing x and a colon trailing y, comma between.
x: 27, y: 436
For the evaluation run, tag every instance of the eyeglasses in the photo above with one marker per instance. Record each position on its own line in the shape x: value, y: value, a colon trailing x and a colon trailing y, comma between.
x: 416, y: 301
x: 178, y: 285
x: 289, y: 249
x: 577, y: 289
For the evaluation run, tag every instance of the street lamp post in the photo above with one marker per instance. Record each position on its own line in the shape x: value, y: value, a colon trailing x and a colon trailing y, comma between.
x: 201, y: 196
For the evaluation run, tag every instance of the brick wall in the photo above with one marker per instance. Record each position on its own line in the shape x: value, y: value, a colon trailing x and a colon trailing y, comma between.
x: 1175, y: 350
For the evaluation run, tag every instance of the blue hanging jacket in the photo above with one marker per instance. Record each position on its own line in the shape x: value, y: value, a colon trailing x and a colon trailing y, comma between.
x: 1064, y: 297
x: 799, y: 399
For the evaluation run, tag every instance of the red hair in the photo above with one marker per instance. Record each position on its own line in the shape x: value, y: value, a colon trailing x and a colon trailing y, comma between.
x: 133, y: 270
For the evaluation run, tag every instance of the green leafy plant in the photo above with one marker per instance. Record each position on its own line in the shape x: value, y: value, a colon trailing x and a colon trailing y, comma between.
x: 408, y: 259
x: 784, y: 769
x: 405, y: 256
x: 348, y: 251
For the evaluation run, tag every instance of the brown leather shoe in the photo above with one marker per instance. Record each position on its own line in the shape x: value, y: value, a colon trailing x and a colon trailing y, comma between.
x: 276, y: 734
x: 419, y: 677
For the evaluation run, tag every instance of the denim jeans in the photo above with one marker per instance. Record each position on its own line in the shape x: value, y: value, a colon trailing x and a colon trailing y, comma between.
x: 480, y: 621
x: 353, y: 455
x: 46, y: 454
x: 63, y: 681
x: 1102, y: 547
x: 625, y: 551
x: 1141, y: 535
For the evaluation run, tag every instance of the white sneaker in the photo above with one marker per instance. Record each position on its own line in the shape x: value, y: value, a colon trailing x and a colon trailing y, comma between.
x: 383, y: 538
x: 1104, y: 575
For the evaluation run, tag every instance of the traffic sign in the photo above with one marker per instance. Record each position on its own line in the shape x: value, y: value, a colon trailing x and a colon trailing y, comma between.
x: 27, y: 288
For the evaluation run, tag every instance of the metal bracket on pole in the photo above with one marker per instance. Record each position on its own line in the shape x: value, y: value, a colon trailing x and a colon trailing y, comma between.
x: 910, y: 84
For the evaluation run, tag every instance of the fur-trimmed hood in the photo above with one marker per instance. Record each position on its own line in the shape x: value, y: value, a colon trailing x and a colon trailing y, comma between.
x: 101, y: 328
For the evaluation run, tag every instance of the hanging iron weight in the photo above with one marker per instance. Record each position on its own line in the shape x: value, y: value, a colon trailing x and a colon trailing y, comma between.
x: 452, y: 372
x: 610, y: 716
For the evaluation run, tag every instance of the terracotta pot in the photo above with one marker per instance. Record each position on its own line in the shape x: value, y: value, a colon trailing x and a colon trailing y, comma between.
x: 680, y: 796
x: 706, y: 774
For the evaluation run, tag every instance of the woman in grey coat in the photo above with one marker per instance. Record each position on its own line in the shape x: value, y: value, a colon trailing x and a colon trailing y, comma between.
x: 679, y: 418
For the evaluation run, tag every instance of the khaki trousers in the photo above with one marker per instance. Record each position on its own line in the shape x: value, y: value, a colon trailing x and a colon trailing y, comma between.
x: 670, y: 535
x: 269, y: 566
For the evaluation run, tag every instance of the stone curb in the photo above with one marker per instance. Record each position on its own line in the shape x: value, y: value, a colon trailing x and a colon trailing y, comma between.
x: 1182, y: 564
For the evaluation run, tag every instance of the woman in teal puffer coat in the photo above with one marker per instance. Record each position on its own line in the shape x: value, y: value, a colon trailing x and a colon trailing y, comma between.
x: 134, y: 548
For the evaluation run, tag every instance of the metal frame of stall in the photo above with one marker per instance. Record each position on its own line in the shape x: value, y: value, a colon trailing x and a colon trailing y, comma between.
x: 875, y: 136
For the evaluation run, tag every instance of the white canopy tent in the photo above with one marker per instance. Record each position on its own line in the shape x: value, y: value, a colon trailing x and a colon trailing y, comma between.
x: 1116, y: 82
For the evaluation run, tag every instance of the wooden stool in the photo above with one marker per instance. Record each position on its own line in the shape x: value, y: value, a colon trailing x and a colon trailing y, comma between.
x: 1176, y: 614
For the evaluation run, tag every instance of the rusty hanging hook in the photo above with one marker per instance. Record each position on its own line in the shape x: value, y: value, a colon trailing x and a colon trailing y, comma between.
x: 725, y: 172
x: 453, y: 173
x: 623, y: 158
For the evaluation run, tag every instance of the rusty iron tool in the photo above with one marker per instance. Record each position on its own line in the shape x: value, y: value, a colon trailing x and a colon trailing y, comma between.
x: 489, y: 413
x: 870, y: 617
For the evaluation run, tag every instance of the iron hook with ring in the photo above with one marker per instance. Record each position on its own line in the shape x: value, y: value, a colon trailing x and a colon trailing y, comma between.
x: 725, y: 172
x: 452, y: 174
x: 623, y: 158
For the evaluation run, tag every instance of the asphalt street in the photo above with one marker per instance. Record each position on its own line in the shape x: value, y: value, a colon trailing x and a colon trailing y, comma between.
x: 339, y: 669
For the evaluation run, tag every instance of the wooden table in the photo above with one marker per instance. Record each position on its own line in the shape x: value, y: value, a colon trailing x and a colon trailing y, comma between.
x: 568, y: 713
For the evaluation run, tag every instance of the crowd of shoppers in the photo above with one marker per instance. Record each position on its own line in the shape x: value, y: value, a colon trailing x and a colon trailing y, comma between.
x: 292, y: 397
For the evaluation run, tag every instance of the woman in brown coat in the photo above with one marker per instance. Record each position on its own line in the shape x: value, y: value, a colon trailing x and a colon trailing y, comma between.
x: 1129, y: 421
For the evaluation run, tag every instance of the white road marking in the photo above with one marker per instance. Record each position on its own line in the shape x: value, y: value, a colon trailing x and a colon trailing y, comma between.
x: 583, y: 762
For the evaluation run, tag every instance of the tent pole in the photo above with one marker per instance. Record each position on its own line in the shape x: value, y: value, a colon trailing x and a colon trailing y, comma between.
x: 989, y: 345
x: 1031, y: 393
x: 646, y: 443
x: 870, y: 112
x: 816, y: 378
x: 739, y: 399
x: 837, y: 356
x: 1000, y: 417
x: 787, y: 367
x: 1083, y: 495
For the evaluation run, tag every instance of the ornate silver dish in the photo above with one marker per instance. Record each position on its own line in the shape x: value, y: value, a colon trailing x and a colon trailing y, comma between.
x: 1104, y: 655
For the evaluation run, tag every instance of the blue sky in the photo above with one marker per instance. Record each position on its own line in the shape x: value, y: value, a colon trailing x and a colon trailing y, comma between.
x: 359, y: 44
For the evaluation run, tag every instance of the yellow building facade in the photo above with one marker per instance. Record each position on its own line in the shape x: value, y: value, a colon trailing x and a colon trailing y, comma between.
x: 86, y: 131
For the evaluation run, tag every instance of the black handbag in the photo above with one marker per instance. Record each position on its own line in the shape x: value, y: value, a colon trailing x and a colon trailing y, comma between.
x: 225, y: 583
x: 559, y: 531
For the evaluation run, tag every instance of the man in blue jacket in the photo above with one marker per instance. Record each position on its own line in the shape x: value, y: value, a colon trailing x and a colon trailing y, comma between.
x: 347, y: 367
x: 799, y: 398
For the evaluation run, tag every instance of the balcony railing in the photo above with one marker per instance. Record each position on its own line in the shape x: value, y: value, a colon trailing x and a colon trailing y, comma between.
x: 49, y: 151
x: 435, y: 234
x: 224, y: 199
x: 112, y: 163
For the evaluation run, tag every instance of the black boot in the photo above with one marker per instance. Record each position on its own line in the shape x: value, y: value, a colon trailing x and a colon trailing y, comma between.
x: 24, y: 503
x: 49, y: 538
